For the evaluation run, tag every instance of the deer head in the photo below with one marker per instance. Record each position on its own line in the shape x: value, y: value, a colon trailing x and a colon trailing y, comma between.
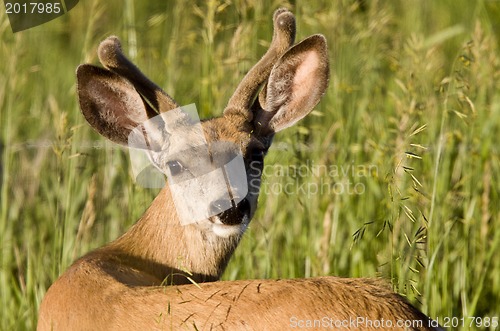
x: 121, y: 104
x: 120, y: 98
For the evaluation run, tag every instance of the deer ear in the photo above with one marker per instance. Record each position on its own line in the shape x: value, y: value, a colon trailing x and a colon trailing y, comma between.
x: 296, y: 84
x: 112, y: 106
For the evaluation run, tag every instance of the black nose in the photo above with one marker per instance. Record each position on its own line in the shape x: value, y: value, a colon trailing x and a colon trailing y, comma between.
x: 244, y: 206
x: 232, y: 216
x: 218, y: 206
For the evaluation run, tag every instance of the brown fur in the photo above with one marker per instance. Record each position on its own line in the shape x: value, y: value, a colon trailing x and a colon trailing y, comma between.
x: 238, y: 305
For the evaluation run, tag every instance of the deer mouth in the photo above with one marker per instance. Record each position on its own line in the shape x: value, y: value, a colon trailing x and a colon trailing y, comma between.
x: 231, y: 216
x: 232, y: 221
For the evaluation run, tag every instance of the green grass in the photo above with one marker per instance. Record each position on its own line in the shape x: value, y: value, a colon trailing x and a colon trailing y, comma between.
x: 410, y: 124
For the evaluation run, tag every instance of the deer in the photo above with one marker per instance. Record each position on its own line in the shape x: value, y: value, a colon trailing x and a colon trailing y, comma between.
x: 164, y: 275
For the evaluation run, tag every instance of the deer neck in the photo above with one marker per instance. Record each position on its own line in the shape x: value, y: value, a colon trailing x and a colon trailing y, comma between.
x: 170, y: 252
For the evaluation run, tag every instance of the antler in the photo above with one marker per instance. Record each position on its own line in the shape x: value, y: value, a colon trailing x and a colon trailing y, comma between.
x: 283, y: 38
x: 111, y: 56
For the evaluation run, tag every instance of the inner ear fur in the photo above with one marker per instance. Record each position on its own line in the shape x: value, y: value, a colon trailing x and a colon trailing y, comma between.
x: 109, y: 103
x: 296, y: 84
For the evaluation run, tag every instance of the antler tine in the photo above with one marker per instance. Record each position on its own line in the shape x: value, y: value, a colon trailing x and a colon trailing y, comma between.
x: 283, y: 38
x: 111, y: 56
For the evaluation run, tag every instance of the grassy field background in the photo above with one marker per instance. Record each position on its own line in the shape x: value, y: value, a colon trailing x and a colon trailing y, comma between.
x: 395, y: 174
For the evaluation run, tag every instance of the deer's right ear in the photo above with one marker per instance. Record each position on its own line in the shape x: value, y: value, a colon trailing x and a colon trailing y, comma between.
x: 295, y: 85
x: 110, y: 103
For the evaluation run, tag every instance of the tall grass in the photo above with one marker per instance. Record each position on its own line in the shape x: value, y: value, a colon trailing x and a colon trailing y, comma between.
x: 394, y: 175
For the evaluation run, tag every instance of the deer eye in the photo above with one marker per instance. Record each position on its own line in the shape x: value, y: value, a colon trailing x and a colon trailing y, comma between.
x: 175, y: 167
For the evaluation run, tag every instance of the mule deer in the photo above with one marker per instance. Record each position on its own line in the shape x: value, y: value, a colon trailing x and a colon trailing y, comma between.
x: 142, y: 280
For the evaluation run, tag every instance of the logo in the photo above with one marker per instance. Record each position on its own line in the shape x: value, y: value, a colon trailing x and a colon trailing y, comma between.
x: 200, y: 175
x: 25, y: 14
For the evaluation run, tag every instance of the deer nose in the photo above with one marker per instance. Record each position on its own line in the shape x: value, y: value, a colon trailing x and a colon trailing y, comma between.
x: 219, y: 206
x: 234, y: 215
x: 243, y: 206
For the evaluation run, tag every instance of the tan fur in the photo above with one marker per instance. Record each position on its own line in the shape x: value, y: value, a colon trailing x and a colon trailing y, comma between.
x: 143, y: 279
x: 357, y: 304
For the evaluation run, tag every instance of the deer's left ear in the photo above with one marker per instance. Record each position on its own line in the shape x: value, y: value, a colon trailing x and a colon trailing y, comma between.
x: 296, y: 84
x: 115, y: 109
